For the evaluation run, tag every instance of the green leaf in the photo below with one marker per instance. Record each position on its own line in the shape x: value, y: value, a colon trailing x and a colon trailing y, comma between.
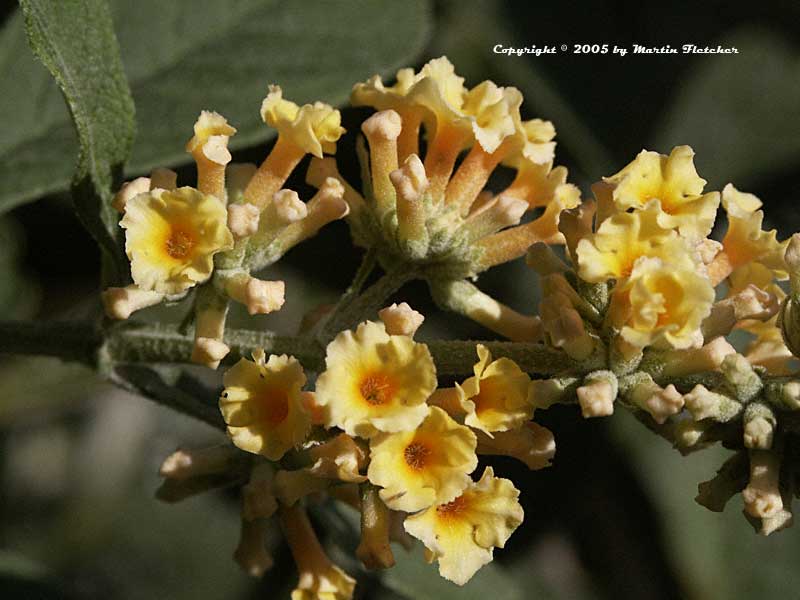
x: 412, y: 577
x: 736, y: 110
x: 75, y: 41
x: 184, y: 56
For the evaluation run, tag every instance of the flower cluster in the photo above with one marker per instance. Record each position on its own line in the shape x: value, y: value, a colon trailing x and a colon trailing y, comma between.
x: 645, y: 307
x: 432, y: 211
x: 236, y: 221
x: 377, y: 430
x: 637, y: 304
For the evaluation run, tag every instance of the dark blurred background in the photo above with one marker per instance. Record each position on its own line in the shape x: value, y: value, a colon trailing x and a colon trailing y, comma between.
x: 613, y: 518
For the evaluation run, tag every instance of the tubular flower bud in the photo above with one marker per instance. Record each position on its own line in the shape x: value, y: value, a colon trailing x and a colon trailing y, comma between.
x: 326, y: 206
x: 172, y: 237
x: 672, y: 181
x: 243, y: 220
x: 319, y: 577
x: 622, y: 239
x: 382, y: 130
x: 288, y: 206
x: 401, y: 319
x: 430, y: 465
x: 660, y: 402
x: 375, y: 382
x: 496, y: 397
x: 121, y: 303
x: 677, y: 363
x: 463, y: 297
x: 759, y: 426
x: 262, y: 406
x: 496, y: 214
x: 762, y: 498
x: 260, y: 297
x: 597, y: 394
x: 130, y: 189
x: 250, y: 554
x: 211, y: 310
x: 410, y: 183
x: 702, y: 403
x: 373, y: 549
x: 463, y: 533
x: 258, y: 495
x: 531, y: 444
x: 661, y: 304
x: 209, y: 148
x: 184, y: 464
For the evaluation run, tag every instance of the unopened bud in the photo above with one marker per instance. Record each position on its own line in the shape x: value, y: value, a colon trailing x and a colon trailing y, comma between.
x: 243, y: 219
x: 288, y: 206
x: 597, y: 394
x: 702, y: 403
x: 762, y: 497
x: 129, y: 189
x: 121, y: 303
x: 401, y: 319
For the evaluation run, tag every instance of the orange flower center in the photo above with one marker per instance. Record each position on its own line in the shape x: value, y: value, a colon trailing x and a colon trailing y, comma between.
x: 491, y: 396
x: 179, y: 243
x: 276, y: 406
x: 376, y: 389
x: 452, y: 509
x: 416, y: 455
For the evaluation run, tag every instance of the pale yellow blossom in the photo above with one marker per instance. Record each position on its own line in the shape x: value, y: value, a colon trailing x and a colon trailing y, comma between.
x: 462, y: 534
x: 171, y: 238
x: 674, y: 182
x: 262, y: 405
x: 430, y: 465
x: 375, y: 382
x: 661, y: 304
x: 496, y: 397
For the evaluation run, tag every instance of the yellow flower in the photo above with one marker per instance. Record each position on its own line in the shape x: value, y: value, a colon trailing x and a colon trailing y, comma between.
x: 661, y: 302
x: 496, y: 397
x: 537, y: 141
x: 430, y: 465
x: 375, y: 381
x: 462, y: 534
x: 495, y: 113
x: 674, y: 182
x: 171, y: 238
x: 211, y: 133
x: 436, y: 92
x: 745, y: 242
x: 313, y: 127
x: 262, y: 405
x: 620, y: 240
